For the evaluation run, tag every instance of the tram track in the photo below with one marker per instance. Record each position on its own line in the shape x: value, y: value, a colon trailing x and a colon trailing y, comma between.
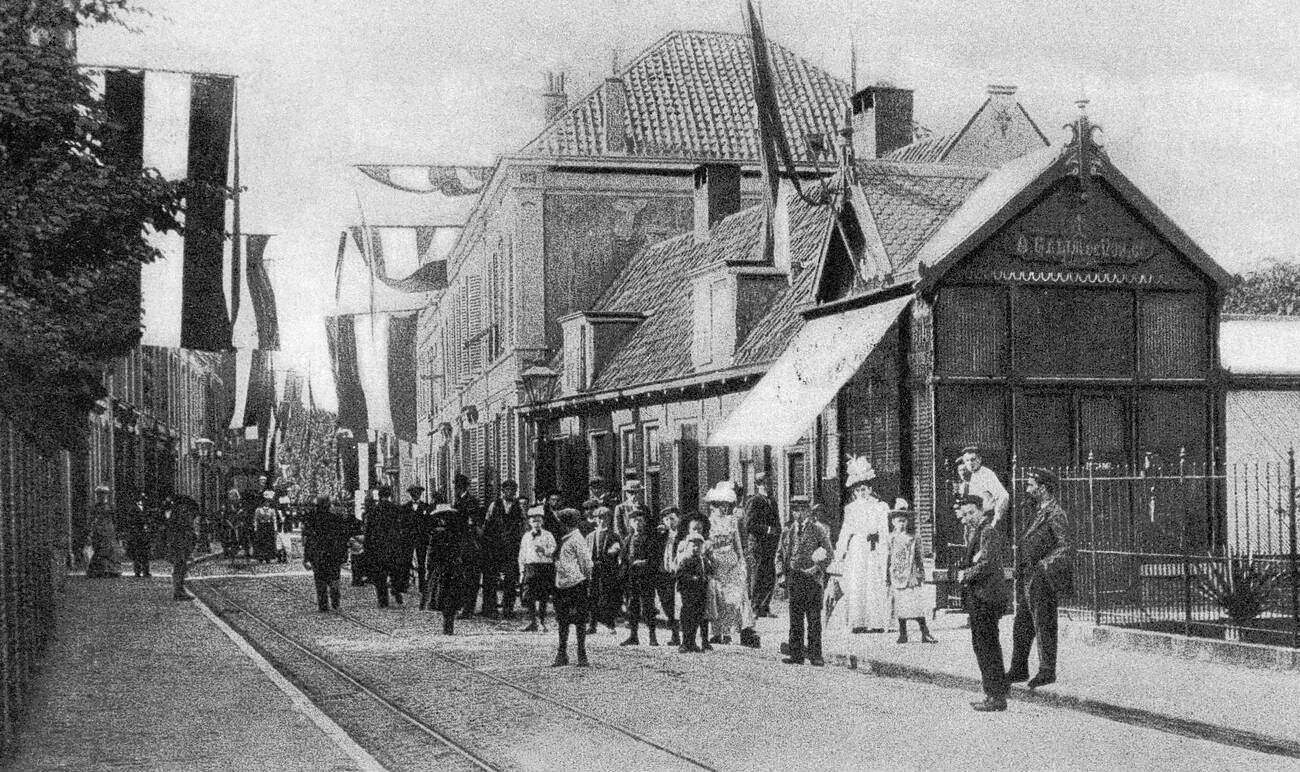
x: 395, y: 752
x: 478, y: 673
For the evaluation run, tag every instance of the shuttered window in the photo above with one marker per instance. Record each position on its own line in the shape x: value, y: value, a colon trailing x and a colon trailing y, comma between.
x: 1174, y: 342
x: 1074, y: 332
x: 971, y: 324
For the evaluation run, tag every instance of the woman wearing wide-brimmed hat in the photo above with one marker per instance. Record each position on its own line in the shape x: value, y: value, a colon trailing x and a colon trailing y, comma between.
x: 862, y: 552
x: 729, y: 584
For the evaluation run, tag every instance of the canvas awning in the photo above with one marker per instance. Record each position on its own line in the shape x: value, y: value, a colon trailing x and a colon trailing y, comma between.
x: 823, y: 356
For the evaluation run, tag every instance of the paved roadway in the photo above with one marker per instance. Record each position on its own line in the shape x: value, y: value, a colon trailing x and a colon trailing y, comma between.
x: 489, y: 689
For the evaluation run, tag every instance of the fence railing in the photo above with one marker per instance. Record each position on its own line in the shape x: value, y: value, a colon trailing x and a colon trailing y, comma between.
x: 1190, y: 550
x: 33, y: 549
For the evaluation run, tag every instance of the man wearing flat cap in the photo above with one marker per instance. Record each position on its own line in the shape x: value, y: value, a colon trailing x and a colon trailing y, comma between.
x: 633, y: 491
x: 1044, y: 572
x: 804, y: 552
x: 984, y: 597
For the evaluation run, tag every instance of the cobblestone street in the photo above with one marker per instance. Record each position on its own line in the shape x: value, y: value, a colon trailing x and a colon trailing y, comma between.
x: 490, y: 688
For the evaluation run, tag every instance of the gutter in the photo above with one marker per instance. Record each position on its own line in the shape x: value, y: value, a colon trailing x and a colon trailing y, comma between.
x: 567, y: 405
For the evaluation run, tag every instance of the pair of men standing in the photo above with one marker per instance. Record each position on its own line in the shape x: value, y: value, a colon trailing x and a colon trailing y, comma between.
x: 1043, y: 573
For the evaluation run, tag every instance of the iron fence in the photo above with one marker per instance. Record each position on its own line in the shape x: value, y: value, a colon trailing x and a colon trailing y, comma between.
x: 1191, y: 550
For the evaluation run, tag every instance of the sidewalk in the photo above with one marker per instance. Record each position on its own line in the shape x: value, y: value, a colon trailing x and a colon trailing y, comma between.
x: 136, y: 680
x: 1228, y: 703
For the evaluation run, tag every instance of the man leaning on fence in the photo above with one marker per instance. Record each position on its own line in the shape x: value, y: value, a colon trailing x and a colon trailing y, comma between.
x: 1044, y: 573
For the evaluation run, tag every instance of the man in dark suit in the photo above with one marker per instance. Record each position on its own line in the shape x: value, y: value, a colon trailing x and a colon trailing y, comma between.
x: 1044, y: 572
x: 416, y: 521
x: 470, y: 510
x: 640, y: 562
x: 503, y: 527
x: 388, y: 553
x: 803, y: 554
x: 984, y: 595
x: 764, y: 531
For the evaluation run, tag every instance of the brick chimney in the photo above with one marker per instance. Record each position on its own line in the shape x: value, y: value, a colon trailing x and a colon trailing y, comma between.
x: 882, y: 120
x: 717, y: 196
x: 554, y: 99
x: 615, y: 115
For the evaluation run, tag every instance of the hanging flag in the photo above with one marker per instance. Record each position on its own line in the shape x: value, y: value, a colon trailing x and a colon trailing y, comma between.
x: 262, y: 293
x: 401, y: 375
x: 181, y: 126
x: 341, y: 335
x: 447, y: 180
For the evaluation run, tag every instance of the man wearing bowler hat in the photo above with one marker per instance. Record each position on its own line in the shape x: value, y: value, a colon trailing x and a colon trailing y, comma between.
x: 1044, y: 572
x: 764, y: 531
x: 503, y: 527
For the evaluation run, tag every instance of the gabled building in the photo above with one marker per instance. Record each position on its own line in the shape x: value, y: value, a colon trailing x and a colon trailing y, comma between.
x: 560, y: 220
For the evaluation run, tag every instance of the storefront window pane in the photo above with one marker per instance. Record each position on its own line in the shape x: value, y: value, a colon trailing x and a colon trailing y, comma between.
x: 1074, y: 332
x: 971, y: 331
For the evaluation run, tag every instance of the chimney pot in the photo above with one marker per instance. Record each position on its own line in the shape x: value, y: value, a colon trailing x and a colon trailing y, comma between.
x: 615, y: 116
x: 1001, y: 90
x: 882, y: 120
x: 554, y: 99
x: 717, y: 196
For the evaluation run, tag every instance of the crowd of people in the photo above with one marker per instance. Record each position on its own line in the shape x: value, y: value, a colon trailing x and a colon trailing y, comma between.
x: 171, y: 528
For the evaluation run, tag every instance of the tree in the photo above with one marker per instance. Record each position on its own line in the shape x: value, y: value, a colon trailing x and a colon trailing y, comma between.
x: 1273, y: 289
x: 72, y: 224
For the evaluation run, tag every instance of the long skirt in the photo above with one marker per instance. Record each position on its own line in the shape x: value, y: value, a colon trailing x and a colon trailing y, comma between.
x: 866, y: 596
x: 264, y: 541
x: 729, y: 591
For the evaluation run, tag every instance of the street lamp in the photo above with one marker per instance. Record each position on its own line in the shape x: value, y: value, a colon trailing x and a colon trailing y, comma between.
x: 539, y: 383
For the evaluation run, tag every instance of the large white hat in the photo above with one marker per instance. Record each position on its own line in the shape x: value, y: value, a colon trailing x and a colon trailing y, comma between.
x: 858, y: 470
x: 722, y: 493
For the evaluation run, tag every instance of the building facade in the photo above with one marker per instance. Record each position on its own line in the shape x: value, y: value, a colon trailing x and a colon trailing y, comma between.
x: 559, y: 221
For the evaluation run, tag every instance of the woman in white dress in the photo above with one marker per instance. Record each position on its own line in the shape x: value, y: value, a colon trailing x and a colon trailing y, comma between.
x: 862, y: 551
x: 729, y: 584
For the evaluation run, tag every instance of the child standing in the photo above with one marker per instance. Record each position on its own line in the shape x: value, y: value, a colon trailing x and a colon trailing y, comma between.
x: 693, y: 589
x: 906, y: 575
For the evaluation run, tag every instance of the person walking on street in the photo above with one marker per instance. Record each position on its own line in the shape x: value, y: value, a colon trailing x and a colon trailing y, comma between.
x: 671, y: 534
x: 469, y: 509
x: 325, y: 537
x: 388, y: 553
x: 1044, y: 572
x: 604, y: 546
x: 100, y: 548
x: 265, y: 525
x: 639, y: 565
x: 417, y: 519
x: 179, y: 517
x: 803, y: 554
x: 446, y: 566
x: 536, y: 560
x: 763, y: 525
x: 908, y: 596
x: 503, y: 526
x: 139, y: 531
x: 984, y: 596
x: 573, y: 572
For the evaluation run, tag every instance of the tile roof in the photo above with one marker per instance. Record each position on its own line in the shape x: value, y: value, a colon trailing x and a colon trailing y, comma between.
x: 925, y: 150
x: 689, y: 95
x: 908, y: 202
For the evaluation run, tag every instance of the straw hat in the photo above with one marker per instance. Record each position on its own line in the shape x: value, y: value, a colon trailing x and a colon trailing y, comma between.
x: 857, y: 471
x: 722, y: 493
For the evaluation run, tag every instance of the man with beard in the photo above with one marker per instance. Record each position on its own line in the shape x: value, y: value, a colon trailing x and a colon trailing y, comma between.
x: 503, y: 526
x: 388, y: 553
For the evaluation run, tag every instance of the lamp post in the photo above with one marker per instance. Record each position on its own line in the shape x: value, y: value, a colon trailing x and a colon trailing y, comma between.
x: 538, y: 384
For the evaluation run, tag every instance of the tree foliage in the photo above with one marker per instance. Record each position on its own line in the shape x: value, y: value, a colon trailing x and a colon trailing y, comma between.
x: 1273, y: 288
x: 71, y: 224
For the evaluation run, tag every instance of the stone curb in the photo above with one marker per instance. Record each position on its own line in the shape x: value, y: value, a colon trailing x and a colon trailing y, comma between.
x: 1186, y: 727
x: 1233, y: 653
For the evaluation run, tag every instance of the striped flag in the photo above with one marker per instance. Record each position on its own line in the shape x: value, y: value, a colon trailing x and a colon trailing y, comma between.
x: 179, y: 124
x: 374, y: 372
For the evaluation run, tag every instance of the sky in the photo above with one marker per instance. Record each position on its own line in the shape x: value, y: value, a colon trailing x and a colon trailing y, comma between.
x: 1199, y: 101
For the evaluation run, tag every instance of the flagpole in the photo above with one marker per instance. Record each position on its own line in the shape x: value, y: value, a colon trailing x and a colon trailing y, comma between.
x: 236, y: 248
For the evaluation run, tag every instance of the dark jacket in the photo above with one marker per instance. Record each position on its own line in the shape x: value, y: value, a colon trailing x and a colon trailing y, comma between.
x: 642, y: 553
x: 325, y: 536
x: 503, y: 527
x: 386, y: 543
x: 415, y: 521
x: 694, y: 570
x: 761, y: 517
x: 1045, y: 550
x: 662, y: 541
x: 983, y: 580
x: 796, y: 552
x: 600, y: 542
x: 179, y: 526
x: 447, y: 538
